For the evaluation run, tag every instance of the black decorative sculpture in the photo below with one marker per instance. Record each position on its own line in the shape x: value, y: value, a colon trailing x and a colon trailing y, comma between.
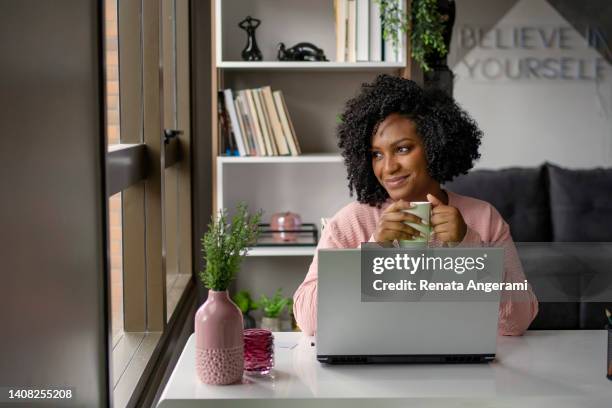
x: 251, y: 52
x: 303, y: 51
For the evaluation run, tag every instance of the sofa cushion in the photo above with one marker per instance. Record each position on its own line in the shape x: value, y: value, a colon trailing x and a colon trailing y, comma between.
x: 554, y: 273
x: 519, y: 194
x: 555, y: 279
x: 581, y: 204
x: 572, y: 282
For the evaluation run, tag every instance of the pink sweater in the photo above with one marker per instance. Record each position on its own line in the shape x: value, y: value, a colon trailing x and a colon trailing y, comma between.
x: 356, y: 223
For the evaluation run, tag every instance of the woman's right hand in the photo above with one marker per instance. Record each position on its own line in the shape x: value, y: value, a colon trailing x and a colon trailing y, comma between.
x: 392, y: 224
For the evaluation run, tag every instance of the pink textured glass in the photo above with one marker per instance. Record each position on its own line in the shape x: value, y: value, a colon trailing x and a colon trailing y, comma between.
x: 219, y: 340
x: 258, y: 351
x: 283, y: 222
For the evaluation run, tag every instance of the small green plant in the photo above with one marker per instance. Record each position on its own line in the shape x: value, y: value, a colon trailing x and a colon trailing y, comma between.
x: 274, y: 307
x: 425, y: 28
x: 225, y: 244
x: 244, y: 301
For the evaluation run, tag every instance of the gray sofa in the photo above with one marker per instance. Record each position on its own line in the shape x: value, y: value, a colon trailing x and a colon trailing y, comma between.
x: 561, y: 221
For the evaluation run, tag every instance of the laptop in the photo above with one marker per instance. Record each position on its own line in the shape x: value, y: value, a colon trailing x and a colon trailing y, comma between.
x: 350, y: 331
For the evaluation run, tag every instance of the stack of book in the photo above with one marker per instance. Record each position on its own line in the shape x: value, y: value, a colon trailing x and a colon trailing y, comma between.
x: 359, y: 33
x: 255, y: 122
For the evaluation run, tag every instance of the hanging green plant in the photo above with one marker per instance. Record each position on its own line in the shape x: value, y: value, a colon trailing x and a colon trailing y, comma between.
x: 425, y: 28
x: 426, y: 35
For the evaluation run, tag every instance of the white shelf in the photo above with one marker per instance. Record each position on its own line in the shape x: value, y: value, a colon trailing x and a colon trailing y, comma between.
x: 281, y: 251
x: 304, y: 158
x: 308, y: 65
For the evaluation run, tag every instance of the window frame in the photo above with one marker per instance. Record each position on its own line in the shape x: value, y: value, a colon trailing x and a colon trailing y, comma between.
x: 136, y: 168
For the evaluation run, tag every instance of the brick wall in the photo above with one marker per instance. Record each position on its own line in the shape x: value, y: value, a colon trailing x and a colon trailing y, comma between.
x: 112, y: 71
x: 113, y: 135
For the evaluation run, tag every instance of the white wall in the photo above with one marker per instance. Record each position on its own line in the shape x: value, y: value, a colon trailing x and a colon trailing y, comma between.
x: 528, y: 121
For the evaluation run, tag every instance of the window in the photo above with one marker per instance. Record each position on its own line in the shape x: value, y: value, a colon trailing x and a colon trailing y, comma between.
x: 111, y: 73
x: 177, y: 189
x: 148, y: 176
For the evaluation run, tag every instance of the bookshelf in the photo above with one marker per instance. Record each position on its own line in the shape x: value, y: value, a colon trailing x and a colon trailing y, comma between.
x: 304, y: 158
x: 312, y: 65
x: 313, y: 184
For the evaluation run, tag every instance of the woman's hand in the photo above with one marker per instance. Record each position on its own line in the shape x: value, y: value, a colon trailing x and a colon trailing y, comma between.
x: 392, y: 224
x: 447, y: 222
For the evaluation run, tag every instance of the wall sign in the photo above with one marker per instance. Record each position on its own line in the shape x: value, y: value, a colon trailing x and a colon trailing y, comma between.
x: 534, y: 52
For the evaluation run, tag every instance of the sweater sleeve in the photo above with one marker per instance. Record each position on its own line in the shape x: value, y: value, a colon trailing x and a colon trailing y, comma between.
x: 517, y: 308
x: 305, y: 297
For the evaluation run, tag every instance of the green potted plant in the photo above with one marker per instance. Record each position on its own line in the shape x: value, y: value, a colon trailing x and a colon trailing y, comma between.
x: 272, y: 308
x: 218, y: 322
x: 246, y: 305
x: 429, y: 28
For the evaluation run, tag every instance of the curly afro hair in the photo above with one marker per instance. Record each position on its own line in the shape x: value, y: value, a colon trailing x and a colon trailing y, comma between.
x: 450, y: 136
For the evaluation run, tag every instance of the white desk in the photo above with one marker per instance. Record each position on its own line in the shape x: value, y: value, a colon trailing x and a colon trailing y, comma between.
x: 543, y: 368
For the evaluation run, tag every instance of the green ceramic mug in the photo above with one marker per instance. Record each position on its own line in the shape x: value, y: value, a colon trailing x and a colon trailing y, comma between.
x: 423, y: 210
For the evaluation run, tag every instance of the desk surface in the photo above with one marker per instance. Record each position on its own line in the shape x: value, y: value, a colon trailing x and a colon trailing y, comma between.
x: 564, y: 367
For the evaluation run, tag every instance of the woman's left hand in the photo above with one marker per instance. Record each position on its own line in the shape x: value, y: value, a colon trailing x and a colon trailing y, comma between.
x: 447, y: 224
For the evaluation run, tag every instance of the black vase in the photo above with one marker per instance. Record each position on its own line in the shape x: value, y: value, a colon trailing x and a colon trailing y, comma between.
x: 440, y: 76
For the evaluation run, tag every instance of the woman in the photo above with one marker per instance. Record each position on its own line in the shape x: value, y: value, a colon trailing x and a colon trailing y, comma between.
x: 400, y: 144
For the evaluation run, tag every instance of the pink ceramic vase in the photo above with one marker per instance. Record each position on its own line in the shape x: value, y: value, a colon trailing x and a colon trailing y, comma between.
x: 219, y: 340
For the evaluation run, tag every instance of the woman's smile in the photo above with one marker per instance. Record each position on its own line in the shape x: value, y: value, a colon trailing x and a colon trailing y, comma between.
x: 395, y: 182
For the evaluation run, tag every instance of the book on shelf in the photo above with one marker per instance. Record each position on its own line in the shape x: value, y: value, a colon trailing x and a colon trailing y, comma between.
x: 363, y: 30
x: 340, y: 13
x: 391, y: 53
x: 226, y: 137
x: 257, y: 123
x: 268, y: 120
x: 241, y: 124
x: 359, y: 33
x: 375, y: 30
x: 262, y: 123
x: 351, y: 33
x: 241, y: 110
x: 277, y: 130
x: 259, y: 141
x: 286, y: 123
x: 236, y: 130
